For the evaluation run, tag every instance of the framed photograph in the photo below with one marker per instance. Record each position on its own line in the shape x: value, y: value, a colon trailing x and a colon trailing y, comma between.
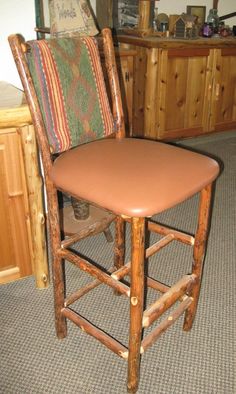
x: 199, y: 11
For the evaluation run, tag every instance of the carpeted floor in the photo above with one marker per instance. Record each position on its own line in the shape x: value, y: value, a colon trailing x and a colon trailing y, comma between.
x: 203, y: 361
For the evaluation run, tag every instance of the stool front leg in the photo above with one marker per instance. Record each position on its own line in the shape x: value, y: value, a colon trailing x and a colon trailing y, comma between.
x: 199, y: 253
x: 136, y: 301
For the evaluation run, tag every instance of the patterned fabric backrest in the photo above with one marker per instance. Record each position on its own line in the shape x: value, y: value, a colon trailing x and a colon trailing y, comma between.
x: 70, y: 87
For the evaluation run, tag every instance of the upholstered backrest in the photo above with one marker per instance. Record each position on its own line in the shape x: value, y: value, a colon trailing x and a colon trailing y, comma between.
x: 69, y: 84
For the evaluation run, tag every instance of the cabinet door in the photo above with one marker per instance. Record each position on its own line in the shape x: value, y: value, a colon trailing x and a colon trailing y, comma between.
x: 224, y: 92
x: 184, y: 86
x: 15, y: 244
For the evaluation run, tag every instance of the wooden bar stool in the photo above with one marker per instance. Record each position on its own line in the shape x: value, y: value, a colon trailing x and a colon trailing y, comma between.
x: 132, y: 178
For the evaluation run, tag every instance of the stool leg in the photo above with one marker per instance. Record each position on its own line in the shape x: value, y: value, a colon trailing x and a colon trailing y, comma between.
x: 136, y: 301
x: 59, y: 289
x: 57, y: 266
x: 119, y: 242
x: 108, y: 234
x: 198, y: 253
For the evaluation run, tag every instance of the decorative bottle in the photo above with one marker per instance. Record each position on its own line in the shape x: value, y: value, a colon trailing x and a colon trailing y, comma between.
x: 213, y: 19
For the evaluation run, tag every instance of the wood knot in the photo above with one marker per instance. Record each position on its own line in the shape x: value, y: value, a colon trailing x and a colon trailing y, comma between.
x: 44, y: 278
x: 134, y: 301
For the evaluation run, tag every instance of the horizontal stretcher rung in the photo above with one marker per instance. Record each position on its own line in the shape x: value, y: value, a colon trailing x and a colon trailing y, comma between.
x: 156, y: 285
x: 178, y: 235
x: 91, y: 269
x: 165, y: 324
x: 95, y: 332
x: 168, y: 299
x: 123, y: 271
x: 83, y: 233
x: 163, y: 230
x: 84, y: 290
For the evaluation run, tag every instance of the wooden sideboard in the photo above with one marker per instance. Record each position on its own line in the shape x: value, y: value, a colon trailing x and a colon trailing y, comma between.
x: 182, y: 88
x: 125, y: 67
x: 22, y: 230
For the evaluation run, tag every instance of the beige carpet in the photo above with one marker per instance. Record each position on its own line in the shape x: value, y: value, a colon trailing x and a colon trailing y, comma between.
x: 33, y: 360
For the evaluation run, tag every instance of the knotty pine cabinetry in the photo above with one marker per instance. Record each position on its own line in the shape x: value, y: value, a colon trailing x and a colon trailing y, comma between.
x: 223, y: 105
x: 125, y: 67
x: 22, y: 232
x: 182, y: 88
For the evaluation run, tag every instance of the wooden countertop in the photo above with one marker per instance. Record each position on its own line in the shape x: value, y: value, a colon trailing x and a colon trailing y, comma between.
x: 166, y: 43
x: 14, y: 111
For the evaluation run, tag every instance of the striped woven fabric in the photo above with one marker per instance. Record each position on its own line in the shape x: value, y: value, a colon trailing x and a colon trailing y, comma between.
x: 70, y: 87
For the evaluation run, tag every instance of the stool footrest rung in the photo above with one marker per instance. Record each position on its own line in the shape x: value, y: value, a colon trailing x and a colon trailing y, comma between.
x: 164, y: 230
x: 84, y: 290
x: 123, y: 271
x: 178, y: 235
x: 165, y: 324
x: 91, y: 269
x: 168, y: 299
x: 156, y: 285
x: 95, y: 332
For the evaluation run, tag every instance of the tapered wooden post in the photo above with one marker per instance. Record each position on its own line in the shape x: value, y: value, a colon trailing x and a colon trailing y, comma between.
x: 198, y: 253
x: 57, y: 262
x: 144, y: 14
x: 136, y: 301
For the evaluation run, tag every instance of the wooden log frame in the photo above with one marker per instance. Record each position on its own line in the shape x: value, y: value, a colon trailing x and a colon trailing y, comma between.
x: 181, y: 292
x: 185, y: 291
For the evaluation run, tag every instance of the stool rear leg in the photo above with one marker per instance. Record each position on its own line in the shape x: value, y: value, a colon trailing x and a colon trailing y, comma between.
x: 119, y: 242
x: 198, y: 253
x: 57, y: 268
x: 59, y: 292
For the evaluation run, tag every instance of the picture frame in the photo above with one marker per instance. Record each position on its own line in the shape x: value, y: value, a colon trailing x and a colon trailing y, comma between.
x: 199, y: 11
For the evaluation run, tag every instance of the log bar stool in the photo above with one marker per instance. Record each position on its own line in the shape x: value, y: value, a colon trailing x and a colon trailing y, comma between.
x: 132, y: 178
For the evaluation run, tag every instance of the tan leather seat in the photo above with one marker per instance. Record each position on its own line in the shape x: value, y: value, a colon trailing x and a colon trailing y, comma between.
x: 133, y: 177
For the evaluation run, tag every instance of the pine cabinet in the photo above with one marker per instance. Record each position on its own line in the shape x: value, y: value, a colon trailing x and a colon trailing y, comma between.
x: 223, y: 106
x: 182, y: 88
x: 22, y: 221
x: 125, y: 65
x: 182, y: 104
x: 15, y: 239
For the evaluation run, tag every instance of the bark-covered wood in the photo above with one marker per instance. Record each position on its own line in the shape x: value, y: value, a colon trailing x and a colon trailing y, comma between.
x: 136, y: 301
x: 199, y: 253
x: 125, y: 270
x: 151, y: 338
x: 119, y: 242
x: 154, y: 311
x: 91, y: 269
x: 90, y: 329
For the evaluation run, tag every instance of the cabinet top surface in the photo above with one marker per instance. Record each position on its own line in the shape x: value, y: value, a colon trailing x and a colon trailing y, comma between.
x: 14, y: 111
x: 157, y: 42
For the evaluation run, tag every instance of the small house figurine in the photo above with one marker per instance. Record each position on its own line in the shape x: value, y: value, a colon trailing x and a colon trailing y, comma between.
x: 186, y: 26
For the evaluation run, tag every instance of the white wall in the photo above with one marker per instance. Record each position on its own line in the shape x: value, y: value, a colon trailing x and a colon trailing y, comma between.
x: 16, y: 16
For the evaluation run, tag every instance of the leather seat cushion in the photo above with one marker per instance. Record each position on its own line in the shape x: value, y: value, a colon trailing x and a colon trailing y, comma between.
x: 131, y: 176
